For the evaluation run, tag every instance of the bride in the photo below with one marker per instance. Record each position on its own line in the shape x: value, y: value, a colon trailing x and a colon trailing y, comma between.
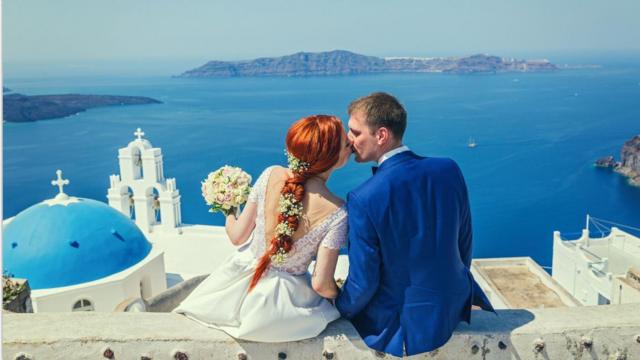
x: 263, y: 291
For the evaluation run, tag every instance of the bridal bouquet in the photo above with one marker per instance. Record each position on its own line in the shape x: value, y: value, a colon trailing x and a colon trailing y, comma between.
x: 226, y: 189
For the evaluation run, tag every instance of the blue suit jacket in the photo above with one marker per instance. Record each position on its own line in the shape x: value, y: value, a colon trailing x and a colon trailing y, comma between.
x: 409, y: 256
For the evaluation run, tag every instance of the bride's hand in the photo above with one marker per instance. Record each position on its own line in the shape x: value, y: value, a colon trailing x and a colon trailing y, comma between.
x: 235, y: 212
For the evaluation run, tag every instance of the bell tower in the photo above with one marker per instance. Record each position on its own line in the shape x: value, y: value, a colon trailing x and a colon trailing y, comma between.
x: 141, y: 191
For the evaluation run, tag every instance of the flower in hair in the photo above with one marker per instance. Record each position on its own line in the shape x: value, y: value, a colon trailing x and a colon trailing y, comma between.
x: 279, y: 258
x: 295, y: 164
x: 284, y: 229
x: 289, y: 206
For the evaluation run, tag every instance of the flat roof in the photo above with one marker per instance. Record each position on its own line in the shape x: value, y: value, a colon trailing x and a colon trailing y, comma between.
x: 522, y: 283
x: 198, y: 250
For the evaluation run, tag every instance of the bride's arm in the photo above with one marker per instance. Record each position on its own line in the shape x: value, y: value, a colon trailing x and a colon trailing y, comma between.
x: 322, y: 279
x: 240, y: 229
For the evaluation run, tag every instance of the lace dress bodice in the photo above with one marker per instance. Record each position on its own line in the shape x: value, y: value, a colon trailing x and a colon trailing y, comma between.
x: 331, y: 232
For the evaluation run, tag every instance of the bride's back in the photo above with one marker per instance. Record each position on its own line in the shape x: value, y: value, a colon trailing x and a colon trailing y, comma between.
x: 295, y: 211
x: 317, y: 204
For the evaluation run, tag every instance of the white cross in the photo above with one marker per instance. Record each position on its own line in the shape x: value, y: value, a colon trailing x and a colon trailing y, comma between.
x: 60, y: 182
x: 138, y: 133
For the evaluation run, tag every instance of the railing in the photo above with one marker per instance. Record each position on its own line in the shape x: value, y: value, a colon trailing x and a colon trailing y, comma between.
x: 592, y: 254
x: 597, y: 271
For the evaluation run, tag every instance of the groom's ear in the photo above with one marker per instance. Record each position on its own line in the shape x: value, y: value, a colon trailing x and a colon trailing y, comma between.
x: 383, y: 135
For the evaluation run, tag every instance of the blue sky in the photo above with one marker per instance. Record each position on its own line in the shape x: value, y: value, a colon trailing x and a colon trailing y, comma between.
x: 194, y: 31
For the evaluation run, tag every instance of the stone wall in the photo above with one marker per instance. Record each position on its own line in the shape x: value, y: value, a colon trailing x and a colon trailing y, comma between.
x: 593, y: 332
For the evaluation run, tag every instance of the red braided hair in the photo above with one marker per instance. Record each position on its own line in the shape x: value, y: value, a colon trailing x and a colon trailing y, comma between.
x: 317, y: 141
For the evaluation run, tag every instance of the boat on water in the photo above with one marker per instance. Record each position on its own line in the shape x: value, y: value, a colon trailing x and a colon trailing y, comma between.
x: 472, y: 143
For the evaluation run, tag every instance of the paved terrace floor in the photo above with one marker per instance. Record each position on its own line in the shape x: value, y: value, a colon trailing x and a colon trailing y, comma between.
x: 520, y: 287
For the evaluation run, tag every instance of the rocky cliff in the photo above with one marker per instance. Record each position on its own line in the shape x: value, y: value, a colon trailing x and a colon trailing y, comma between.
x: 23, y: 108
x: 629, y: 164
x: 341, y: 62
x: 630, y: 160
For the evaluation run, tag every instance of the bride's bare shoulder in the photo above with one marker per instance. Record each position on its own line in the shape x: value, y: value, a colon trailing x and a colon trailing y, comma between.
x: 278, y: 174
x: 280, y: 170
x: 324, y: 195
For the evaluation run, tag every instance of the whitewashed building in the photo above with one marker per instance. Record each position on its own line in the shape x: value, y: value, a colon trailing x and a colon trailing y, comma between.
x: 80, y: 255
x: 599, y: 271
x: 141, y: 191
x: 84, y: 255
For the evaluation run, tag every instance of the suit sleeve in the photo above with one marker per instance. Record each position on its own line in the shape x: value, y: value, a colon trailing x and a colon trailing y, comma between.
x: 465, y: 234
x: 364, y: 261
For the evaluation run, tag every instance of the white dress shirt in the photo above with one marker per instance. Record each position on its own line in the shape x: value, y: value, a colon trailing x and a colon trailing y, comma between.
x: 391, y: 153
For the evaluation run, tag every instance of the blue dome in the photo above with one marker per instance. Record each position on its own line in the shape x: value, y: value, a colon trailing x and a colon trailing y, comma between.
x: 63, y: 245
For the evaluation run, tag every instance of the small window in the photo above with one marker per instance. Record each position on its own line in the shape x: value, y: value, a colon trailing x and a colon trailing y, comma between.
x: 83, y: 305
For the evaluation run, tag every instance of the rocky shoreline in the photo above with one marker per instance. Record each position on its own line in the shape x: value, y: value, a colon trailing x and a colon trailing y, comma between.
x: 24, y: 108
x: 341, y: 62
x: 629, y: 164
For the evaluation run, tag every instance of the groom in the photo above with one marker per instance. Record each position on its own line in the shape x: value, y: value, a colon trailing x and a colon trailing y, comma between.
x: 409, y: 282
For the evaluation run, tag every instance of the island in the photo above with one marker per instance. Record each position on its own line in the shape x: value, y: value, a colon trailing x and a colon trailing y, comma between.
x: 629, y: 164
x: 25, y: 108
x: 342, y: 62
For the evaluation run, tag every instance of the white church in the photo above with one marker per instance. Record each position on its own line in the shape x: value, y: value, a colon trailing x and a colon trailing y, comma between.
x: 141, y: 192
x: 84, y: 255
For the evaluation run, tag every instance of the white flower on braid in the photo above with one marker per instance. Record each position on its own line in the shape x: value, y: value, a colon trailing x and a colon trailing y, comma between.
x: 295, y: 164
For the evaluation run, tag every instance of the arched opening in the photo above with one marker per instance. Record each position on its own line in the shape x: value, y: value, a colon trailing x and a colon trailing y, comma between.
x: 132, y: 203
x: 138, y: 172
x: 83, y: 305
x: 155, y: 206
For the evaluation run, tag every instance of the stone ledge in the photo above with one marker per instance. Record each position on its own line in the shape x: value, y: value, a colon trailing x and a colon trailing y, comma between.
x: 563, y: 333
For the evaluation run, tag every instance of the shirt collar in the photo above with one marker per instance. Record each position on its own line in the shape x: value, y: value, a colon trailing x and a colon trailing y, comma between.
x: 391, y: 153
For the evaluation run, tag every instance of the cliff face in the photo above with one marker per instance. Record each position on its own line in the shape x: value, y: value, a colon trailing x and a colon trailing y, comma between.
x: 630, y: 160
x: 630, y: 154
x: 629, y: 164
x: 327, y: 63
x: 340, y: 62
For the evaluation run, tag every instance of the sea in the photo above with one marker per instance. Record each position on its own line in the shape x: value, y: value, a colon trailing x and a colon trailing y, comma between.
x: 531, y: 173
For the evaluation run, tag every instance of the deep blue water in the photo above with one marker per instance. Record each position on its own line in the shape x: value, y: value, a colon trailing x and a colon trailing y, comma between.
x: 531, y: 174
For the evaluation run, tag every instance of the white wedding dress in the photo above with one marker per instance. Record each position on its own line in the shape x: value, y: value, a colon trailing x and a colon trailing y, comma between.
x: 282, y: 306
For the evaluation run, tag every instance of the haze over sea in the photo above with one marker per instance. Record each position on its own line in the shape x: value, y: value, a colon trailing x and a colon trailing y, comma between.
x: 538, y: 135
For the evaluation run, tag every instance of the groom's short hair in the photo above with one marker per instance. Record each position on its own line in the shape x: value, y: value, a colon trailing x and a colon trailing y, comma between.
x: 381, y: 110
